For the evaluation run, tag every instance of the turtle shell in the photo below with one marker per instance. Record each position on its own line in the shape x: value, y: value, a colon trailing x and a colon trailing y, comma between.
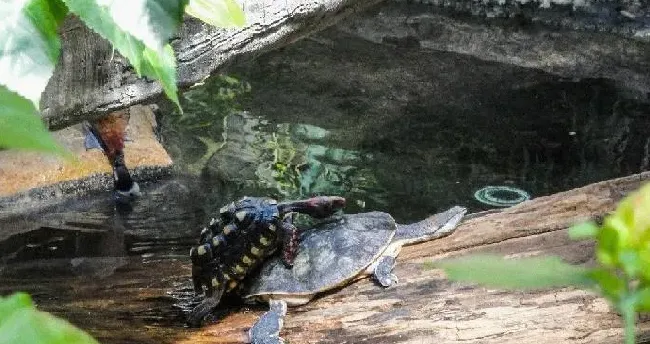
x: 329, y: 255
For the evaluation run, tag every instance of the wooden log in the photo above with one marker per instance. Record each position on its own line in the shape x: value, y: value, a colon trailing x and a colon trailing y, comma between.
x: 143, y: 299
x: 90, y: 80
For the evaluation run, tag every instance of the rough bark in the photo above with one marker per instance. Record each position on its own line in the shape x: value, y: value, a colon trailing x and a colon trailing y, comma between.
x: 90, y: 80
x: 577, y: 39
x: 423, y: 308
x: 565, y: 44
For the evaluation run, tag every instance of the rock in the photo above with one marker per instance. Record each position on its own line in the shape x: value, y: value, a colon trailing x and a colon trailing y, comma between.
x: 569, y: 38
x: 559, y: 40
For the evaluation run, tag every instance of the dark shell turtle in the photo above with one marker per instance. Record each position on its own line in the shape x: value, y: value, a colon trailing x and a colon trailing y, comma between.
x: 245, y: 234
x: 332, y: 255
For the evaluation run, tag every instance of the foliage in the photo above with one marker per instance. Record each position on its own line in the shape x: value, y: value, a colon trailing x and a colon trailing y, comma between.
x: 21, y: 323
x: 622, y: 275
x: 138, y: 29
x: 515, y: 273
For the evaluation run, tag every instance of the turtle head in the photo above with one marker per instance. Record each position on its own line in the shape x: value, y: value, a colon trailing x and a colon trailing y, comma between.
x: 318, y: 207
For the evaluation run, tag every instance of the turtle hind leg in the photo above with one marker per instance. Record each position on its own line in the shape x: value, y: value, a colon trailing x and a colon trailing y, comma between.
x: 267, y: 329
x: 383, y: 271
x: 196, y: 316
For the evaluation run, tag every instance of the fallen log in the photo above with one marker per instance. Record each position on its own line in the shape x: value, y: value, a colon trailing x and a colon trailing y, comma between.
x: 140, y: 300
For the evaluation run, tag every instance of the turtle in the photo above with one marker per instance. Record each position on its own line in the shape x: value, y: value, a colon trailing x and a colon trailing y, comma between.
x: 333, y: 254
x: 241, y: 238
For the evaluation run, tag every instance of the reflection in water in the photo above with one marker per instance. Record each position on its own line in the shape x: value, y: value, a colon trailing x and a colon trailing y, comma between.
x: 543, y: 138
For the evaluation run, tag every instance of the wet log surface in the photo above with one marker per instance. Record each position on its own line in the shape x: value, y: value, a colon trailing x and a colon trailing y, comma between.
x: 142, y: 298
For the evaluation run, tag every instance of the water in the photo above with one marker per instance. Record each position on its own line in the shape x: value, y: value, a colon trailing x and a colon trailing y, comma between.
x: 402, y: 130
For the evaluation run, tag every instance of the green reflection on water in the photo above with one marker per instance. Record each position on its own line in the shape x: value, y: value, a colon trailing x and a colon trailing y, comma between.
x: 217, y: 140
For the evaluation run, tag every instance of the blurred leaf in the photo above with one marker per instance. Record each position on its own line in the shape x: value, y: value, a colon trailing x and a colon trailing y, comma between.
x: 642, y: 303
x: 219, y: 13
x: 630, y: 262
x: 21, y: 323
x: 153, y: 22
x: 157, y: 65
x: 29, y: 45
x: 13, y: 303
x: 21, y: 126
x: 611, y: 285
x: 525, y: 273
x: 607, y: 247
x: 583, y: 230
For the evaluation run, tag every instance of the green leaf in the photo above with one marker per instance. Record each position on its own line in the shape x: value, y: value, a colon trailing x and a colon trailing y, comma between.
x: 162, y: 66
x: 642, y: 302
x: 13, y: 303
x: 583, y: 230
x: 525, y: 273
x: 29, y: 45
x: 219, y: 13
x: 607, y: 247
x: 630, y: 262
x: 611, y: 285
x: 21, y: 126
x: 159, y: 65
x: 153, y: 22
x: 21, y: 323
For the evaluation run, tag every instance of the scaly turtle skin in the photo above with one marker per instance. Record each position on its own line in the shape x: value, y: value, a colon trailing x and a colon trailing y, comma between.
x: 334, y: 254
x: 246, y: 233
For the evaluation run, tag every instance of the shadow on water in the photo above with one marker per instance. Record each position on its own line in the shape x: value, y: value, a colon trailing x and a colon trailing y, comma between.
x: 403, y: 130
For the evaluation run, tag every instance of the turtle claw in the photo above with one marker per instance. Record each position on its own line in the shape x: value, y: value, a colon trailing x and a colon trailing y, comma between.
x: 200, y: 312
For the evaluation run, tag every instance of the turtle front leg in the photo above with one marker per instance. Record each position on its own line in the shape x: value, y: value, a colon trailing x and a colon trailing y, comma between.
x: 382, y: 269
x: 383, y: 272
x: 288, y: 240
x: 267, y: 329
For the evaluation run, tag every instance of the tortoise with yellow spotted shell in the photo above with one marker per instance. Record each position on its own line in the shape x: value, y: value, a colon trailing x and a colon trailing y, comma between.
x: 245, y: 234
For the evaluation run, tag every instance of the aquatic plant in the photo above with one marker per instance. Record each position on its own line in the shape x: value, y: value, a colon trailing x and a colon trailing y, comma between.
x: 622, y: 274
x: 30, y: 49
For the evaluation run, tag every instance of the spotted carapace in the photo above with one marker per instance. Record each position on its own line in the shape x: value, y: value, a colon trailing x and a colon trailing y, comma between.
x: 246, y: 233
